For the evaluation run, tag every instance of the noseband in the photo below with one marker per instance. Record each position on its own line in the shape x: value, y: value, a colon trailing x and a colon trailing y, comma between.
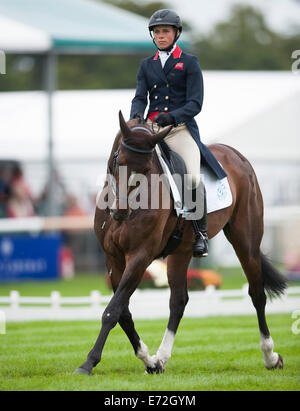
x: 137, y: 150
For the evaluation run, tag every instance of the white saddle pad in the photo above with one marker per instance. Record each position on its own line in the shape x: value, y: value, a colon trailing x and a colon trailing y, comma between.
x: 218, y: 192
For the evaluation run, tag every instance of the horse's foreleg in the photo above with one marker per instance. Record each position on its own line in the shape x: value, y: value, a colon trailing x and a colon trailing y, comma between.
x: 117, y: 310
x: 177, y: 277
x: 126, y: 321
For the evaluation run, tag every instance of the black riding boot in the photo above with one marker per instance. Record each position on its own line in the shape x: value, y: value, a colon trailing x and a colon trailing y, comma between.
x: 200, y: 246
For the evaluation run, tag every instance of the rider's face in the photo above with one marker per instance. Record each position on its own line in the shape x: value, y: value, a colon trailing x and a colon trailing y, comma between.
x: 164, y: 36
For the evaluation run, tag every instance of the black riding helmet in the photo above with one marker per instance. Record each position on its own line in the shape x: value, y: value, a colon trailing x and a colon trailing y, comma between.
x: 165, y: 17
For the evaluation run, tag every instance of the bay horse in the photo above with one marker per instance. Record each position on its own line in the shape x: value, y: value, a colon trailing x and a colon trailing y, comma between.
x: 131, y: 240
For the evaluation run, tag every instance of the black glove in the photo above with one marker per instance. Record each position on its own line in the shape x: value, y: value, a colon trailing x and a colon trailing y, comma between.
x: 139, y: 117
x: 164, y: 119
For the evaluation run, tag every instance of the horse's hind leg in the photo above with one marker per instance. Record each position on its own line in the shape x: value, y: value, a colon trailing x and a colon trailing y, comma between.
x: 177, y: 277
x: 140, y: 348
x: 246, y: 239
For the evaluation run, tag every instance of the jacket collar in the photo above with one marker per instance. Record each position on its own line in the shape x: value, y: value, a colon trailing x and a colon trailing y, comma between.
x: 176, y: 53
x: 157, y: 67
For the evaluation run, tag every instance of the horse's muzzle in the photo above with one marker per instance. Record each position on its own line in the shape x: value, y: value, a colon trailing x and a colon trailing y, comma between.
x: 119, y: 215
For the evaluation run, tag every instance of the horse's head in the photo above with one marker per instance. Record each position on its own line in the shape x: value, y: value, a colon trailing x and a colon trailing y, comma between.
x: 134, y: 159
x: 138, y: 144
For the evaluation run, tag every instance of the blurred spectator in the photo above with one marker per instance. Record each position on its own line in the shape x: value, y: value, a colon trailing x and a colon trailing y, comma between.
x: 72, y: 208
x: 4, y: 190
x: 42, y: 204
x: 292, y: 261
x: 75, y: 242
x: 20, y: 203
x: 67, y: 263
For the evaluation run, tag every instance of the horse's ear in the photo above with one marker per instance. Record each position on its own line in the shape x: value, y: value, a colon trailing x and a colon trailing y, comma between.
x: 157, y: 138
x: 123, y: 126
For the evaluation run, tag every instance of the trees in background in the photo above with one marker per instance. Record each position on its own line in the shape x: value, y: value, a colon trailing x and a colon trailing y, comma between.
x: 245, y: 42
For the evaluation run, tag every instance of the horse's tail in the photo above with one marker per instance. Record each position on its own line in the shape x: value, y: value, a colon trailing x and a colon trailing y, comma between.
x: 274, y: 282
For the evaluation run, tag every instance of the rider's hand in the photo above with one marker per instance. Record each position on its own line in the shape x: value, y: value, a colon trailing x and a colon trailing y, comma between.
x: 164, y: 119
x: 139, y: 117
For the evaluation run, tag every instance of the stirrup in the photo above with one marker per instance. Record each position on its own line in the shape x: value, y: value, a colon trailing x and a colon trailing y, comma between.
x: 201, y: 250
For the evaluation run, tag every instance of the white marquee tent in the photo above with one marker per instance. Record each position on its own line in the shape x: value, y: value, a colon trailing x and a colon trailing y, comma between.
x: 22, y: 37
x: 69, y: 26
x: 256, y: 112
x: 53, y: 27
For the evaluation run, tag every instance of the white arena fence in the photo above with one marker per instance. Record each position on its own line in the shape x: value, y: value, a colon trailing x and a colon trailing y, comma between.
x: 273, y: 215
x: 144, y: 304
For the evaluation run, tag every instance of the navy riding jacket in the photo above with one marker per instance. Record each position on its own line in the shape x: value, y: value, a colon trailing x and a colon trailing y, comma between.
x: 176, y: 89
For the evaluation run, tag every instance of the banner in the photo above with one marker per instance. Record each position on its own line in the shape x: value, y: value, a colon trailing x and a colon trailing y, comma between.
x: 24, y: 257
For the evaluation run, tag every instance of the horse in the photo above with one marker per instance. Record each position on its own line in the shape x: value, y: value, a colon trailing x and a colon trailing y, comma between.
x: 132, y: 239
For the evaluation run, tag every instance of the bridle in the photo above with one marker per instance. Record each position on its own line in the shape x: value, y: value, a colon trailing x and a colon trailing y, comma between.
x: 138, y: 150
x: 130, y: 148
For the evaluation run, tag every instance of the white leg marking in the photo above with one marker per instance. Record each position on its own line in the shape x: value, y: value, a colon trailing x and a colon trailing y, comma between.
x: 165, y: 350
x: 143, y: 354
x: 267, y: 346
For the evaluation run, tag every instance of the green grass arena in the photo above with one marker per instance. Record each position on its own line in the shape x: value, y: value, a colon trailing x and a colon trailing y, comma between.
x: 213, y: 353
x: 209, y: 354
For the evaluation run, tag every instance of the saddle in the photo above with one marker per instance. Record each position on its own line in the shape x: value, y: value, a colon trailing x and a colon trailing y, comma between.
x: 174, y: 161
x: 176, y: 166
x: 218, y: 192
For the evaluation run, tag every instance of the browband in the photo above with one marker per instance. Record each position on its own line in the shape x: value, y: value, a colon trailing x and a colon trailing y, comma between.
x: 142, y: 129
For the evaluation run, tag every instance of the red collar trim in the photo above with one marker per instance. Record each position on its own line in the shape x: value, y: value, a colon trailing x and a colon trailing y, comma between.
x: 156, y: 56
x: 177, y: 52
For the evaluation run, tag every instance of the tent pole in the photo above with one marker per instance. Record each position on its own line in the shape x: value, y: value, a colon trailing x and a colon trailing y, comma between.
x: 51, y: 82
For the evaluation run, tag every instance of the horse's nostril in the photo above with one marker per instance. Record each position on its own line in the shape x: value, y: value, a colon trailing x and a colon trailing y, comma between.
x: 117, y: 216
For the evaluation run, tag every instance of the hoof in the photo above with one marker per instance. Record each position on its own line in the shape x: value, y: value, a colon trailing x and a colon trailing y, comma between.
x: 82, y: 371
x: 157, y: 369
x: 279, y: 364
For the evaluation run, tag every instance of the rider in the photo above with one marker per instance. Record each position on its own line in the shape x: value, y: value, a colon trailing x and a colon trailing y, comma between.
x: 173, y: 81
